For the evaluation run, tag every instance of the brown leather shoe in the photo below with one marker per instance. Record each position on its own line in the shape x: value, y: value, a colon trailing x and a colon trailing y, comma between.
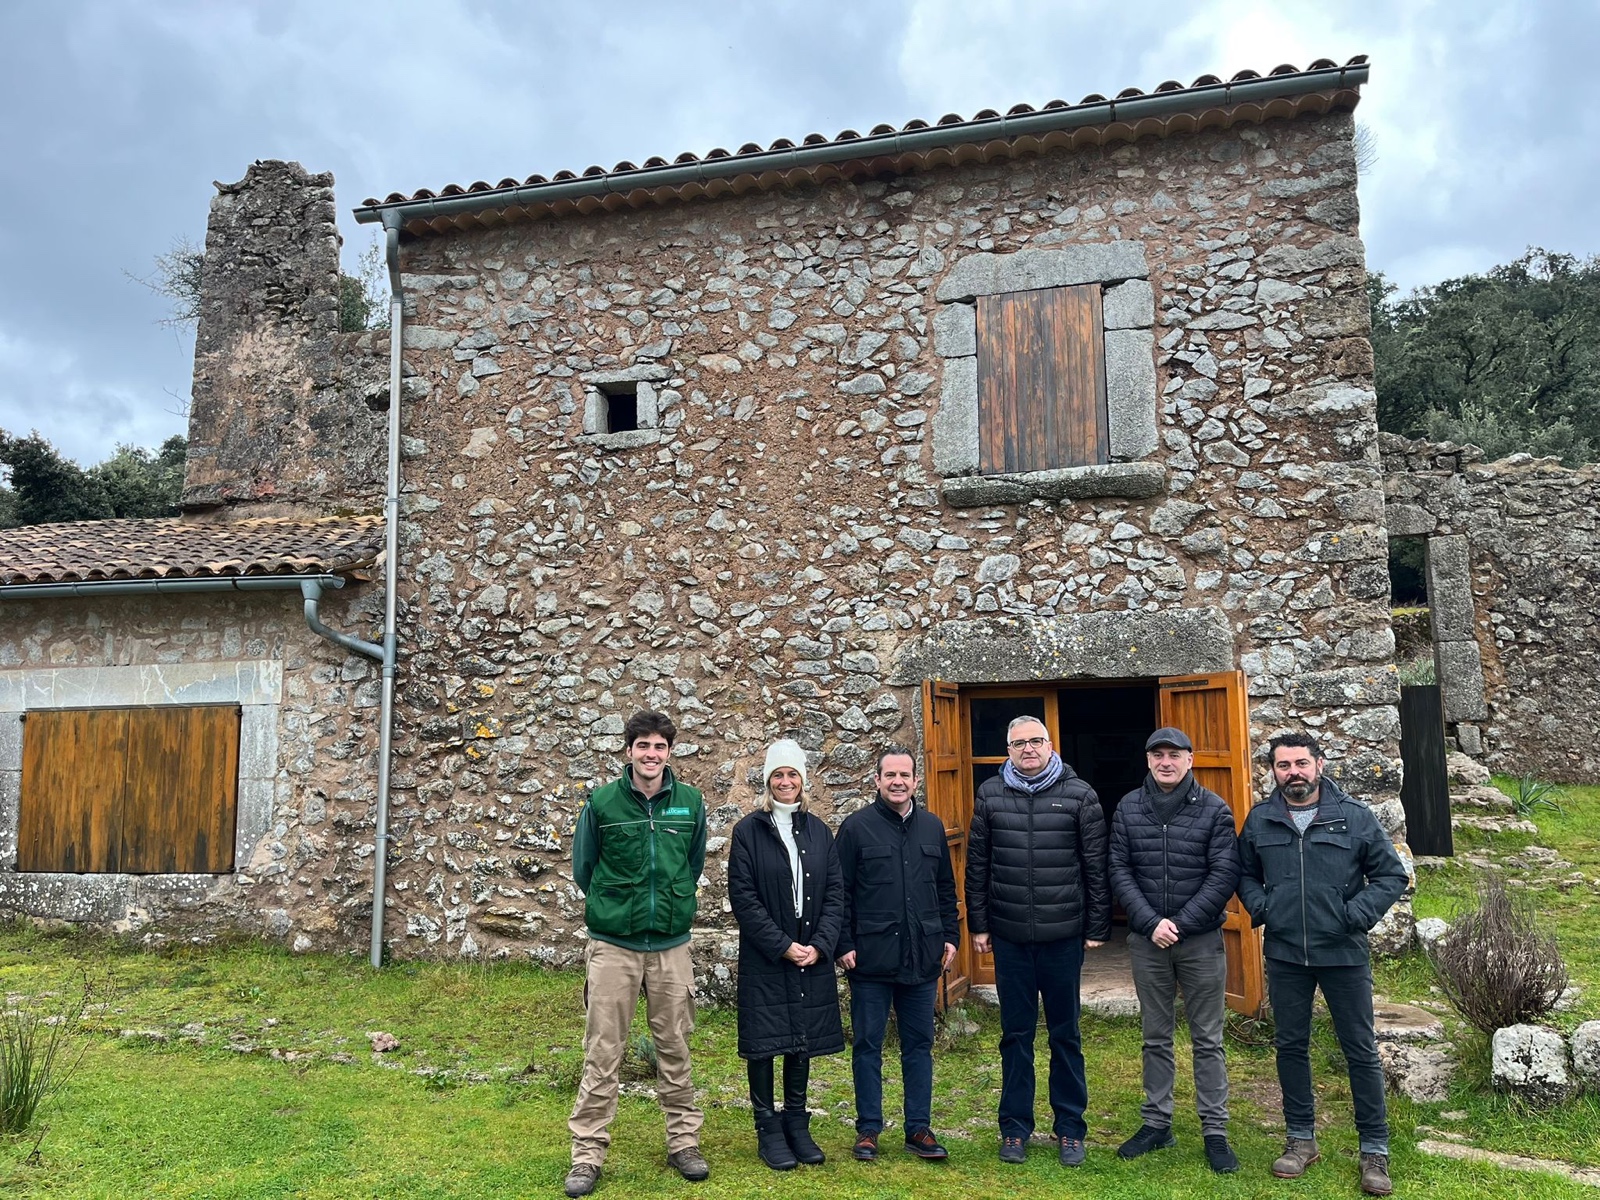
x: 1375, y: 1175
x: 689, y: 1163
x: 1298, y: 1154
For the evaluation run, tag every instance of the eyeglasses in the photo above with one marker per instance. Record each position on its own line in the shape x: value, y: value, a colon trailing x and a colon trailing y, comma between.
x: 1029, y: 743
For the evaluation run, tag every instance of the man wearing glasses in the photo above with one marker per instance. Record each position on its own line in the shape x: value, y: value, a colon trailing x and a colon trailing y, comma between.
x: 1038, y: 894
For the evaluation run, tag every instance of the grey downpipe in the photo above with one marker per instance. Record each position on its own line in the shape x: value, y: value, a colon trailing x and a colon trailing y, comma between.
x: 311, y: 591
x: 391, y: 584
x: 1105, y: 112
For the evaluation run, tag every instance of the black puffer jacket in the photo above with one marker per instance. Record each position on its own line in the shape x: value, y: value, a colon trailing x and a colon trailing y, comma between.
x: 783, y: 1008
x: 1036, y: 865
x: 900, y: 894
x: 1318, y: 895
x: 1186, y: 870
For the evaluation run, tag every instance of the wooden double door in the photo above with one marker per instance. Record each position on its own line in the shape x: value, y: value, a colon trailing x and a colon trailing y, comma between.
x: 1106, y: 725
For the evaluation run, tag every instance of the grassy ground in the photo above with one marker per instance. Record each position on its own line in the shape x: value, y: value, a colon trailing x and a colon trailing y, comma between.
x: 249, y: 1075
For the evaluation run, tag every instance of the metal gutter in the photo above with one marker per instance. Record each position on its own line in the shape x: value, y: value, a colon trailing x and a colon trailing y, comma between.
x: 311, y: 590
x: 391, y: 583
x: 1031, y: 124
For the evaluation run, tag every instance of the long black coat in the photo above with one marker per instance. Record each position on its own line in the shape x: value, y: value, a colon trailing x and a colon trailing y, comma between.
x: 785, y: 1009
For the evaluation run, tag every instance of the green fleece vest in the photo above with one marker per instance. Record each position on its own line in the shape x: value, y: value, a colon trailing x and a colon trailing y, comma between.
x: 643, y: 889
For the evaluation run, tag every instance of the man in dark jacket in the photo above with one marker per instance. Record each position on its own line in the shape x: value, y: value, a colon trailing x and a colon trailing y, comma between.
x: 1174, y: 866
x: 900, y: 933
x: 1037, y: 894
x: 637, y: 853
x: 1319, y: 872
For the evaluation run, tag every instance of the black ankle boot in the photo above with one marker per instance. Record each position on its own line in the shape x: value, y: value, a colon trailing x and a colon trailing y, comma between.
x: 772, y: 1145
x: 797, y: 1130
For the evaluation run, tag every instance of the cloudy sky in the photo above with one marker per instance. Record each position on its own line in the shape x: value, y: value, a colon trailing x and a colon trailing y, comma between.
x: 119, y: 114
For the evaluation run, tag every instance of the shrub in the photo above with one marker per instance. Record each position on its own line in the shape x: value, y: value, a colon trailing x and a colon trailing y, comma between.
x: 1533, y: 794
x: 1494, y: 965
x: 39, y: 1050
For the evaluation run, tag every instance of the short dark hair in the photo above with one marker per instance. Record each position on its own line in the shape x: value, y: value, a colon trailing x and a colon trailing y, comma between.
x: 894, y: 750
x: 647, y: 721
x: 1301, y: 740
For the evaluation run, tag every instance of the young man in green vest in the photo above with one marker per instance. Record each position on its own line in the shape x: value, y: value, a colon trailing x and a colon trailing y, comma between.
x: 637, y: 854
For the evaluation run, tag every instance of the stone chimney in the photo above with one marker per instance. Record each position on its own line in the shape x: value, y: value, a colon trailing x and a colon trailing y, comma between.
x: 287, y: 413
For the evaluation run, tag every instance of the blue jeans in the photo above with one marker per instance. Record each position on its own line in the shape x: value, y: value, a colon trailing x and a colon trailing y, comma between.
x: 870, y: 1001
x: 1348, y: 991
x: 1024, y: 972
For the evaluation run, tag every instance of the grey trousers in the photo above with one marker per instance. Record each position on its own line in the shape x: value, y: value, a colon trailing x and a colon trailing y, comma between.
x: 1198, y: 966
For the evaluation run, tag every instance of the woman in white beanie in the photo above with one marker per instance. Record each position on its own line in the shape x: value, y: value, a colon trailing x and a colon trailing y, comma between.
x: 788, y: 897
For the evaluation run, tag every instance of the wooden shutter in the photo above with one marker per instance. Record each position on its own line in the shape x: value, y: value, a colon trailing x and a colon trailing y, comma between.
x: 1041, y: 380
x: 139, y: 790
x: 947, y: 785
x: 1214, y: 711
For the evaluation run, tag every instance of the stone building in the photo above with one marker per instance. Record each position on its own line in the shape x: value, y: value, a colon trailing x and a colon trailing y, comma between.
x: 877, y: 437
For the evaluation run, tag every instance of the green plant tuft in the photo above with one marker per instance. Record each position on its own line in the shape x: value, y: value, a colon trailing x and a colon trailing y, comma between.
x: 1533, y: 794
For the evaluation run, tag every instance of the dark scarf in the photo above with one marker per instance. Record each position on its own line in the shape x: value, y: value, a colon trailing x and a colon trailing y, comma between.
x: 1166, y: 804
x: 1032, y: 785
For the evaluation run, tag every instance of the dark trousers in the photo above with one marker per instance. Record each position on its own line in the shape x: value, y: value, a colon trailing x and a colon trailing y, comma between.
x: 1348, y: 992
x: 870, y: 1002
x: 1025, y: 972
x: 796, y: 1074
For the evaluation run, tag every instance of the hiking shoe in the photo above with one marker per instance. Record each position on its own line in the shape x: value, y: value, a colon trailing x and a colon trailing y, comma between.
x: 1375, y: 1175
x: 923, y: 1144
x: 1072, y: 1152
x: 1220, y: 1155
x: 1298, y: 1154
x: 582, y: 1178
x: 1147, y: 1139
x: 866, y: 1147
x: 1013, y: 1150
x: 689, y: 1163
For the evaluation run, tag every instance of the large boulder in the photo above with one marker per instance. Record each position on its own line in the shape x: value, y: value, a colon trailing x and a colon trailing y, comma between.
x: 1429, y: 931
x: 1392, y: 936
x: 1530, y: 1061
x: 1586, y: 1054
x: 1420, y: 1073
x: 1464, y: 770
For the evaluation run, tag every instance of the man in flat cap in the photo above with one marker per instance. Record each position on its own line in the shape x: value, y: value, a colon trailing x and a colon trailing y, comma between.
x: 1174, y: 867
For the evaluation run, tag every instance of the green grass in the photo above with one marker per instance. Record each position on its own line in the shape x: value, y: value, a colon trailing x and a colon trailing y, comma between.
x: 474, y: 1103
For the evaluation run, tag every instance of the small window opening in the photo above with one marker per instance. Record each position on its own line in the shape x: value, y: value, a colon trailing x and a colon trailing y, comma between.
x: 622, y: 407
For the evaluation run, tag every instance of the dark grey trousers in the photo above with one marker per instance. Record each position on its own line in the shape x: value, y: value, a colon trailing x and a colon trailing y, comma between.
x: 1198, y: 967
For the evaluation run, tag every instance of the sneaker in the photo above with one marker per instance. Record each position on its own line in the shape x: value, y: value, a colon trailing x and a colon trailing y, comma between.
x: 1072, y: 1152
x: 1147, y: 1139
x: 1220, y: 1155
x: 582, y: 1178
x: 1013, y: 1150
x: 1375, y: 1175
x: 689, y: 1163
x: 923, y: 1144
x: 866, y: 1147
x: 1298, y: 1154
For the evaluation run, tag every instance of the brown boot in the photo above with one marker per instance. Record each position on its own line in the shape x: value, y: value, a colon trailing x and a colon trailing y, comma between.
x: 1375, y: 1175
x: 1298, y: 1154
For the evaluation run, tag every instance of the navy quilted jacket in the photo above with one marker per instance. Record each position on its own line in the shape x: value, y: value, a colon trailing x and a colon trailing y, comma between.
x: 1186, y: 870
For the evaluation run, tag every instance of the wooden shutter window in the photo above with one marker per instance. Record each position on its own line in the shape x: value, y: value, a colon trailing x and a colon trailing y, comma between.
x: 1041, y: 380
x: 136, y: 790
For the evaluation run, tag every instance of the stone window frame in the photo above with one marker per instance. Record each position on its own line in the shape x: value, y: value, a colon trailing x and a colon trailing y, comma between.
x: 1122, y: 270
x: 255, y: 686
x: 596, y: 404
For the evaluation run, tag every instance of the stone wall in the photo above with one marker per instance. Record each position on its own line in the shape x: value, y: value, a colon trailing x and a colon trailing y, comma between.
x: 308, y: 755
x: 775, y: 552
x: 1513, y: 560
x: 287, y: 413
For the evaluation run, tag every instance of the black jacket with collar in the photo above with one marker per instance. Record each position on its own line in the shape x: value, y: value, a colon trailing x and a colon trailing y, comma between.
x: 1185, y: 871
x: 1036, y: 864
x: 1319, y: 894
x: 784, y: 1008
x: 899, y: 894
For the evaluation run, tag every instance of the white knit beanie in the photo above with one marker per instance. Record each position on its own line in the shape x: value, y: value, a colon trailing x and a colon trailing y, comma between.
x: 784, y: 753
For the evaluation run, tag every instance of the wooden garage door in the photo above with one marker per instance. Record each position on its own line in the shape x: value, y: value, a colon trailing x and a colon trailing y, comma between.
x: 137, y: 790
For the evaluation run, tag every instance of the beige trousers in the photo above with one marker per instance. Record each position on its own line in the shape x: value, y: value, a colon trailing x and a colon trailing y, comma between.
x: 615, y: 976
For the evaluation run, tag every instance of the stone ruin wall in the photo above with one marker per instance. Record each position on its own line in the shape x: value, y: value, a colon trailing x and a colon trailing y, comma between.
x: 308, y: 755
x: 1513, y: 573
x: 776, y: 560
x: 287, y: 414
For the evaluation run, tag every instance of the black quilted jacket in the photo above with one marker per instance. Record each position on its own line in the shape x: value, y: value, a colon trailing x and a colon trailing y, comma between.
x: 1186, y: 870
x: 1036, y: 865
